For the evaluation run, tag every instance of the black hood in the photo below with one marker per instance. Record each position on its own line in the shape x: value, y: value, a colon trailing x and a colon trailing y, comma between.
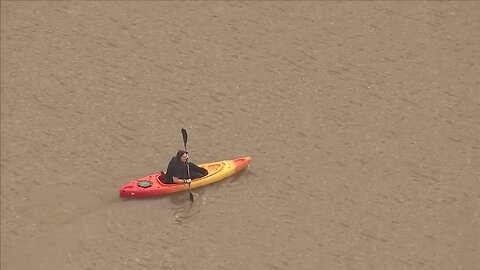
x: 180, y: 154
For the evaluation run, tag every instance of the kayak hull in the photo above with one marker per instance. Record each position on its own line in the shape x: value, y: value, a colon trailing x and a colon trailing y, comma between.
x: 151, y: 185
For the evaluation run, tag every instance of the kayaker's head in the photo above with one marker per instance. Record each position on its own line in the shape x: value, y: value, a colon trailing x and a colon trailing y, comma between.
x: 182, y: 156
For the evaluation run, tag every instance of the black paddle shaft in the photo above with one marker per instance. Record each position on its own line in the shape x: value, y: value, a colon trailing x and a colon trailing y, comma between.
x: 185, y: 138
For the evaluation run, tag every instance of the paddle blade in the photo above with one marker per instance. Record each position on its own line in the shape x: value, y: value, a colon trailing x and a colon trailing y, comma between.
x: 185, y: 137
x: 191, y: 197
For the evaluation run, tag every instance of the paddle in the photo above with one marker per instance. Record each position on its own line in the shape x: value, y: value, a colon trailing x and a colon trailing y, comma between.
x: 185, y: 137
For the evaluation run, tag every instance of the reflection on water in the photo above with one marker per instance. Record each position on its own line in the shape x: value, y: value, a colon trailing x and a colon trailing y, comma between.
x: 184, y: 210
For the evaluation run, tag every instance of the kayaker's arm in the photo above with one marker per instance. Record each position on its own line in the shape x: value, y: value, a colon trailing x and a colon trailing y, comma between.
x: 177, y: 180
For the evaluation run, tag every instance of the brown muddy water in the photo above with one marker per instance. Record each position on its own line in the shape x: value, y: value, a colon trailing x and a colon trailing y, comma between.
x: 362, y: 119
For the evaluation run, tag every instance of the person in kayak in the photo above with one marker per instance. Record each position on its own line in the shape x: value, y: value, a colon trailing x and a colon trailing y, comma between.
x: 177, y: 170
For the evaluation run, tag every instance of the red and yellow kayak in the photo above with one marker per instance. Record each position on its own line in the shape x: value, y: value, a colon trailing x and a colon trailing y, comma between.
x: 151, y: 185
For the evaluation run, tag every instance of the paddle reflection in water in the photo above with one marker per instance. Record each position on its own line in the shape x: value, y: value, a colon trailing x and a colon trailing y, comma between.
x: 184, y: 211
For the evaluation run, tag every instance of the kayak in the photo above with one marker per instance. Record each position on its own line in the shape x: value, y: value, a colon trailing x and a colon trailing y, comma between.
x: 152, y: 185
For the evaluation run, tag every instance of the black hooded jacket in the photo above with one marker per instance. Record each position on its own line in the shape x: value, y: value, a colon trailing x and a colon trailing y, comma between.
x: 177, y: 168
